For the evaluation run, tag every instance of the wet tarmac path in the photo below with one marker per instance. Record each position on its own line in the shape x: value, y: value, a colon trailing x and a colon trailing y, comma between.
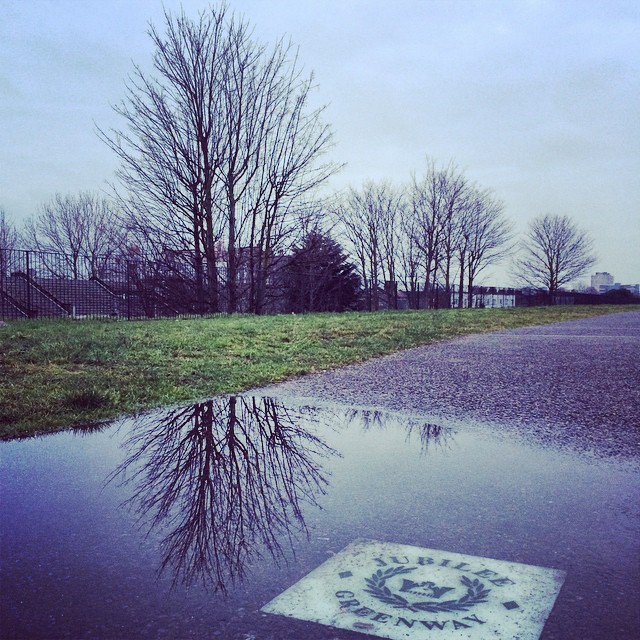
x: 574, y: 383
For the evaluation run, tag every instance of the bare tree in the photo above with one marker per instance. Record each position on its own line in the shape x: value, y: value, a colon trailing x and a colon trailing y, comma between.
x: 554, y: 252
x: 409, y: 256
x: 484, y: 237
x: 84, y: 228
x: 218, y: 148
x: 435, y: 201
x: 287, y: 169
x: 455, y: 190
x: 168, y: 149
x: 369, y: 221
x: 8, y: 243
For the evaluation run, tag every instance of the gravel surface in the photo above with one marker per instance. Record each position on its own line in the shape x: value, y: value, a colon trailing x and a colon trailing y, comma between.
x: 576, y: 383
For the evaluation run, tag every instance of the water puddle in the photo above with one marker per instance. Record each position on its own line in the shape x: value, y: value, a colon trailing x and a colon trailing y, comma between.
x: 188, y: 522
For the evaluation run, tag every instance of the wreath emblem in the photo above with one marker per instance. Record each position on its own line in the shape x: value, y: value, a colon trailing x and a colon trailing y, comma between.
x: 476, y: 593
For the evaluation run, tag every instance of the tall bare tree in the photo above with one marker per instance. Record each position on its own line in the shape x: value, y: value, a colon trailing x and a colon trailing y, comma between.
x: 455, y: 190
x: 554, y: 252
x: 435, y: 200
x: 287, y: 169
x: 168, y: 149
x: 85, y: 228
x: 218, y: 147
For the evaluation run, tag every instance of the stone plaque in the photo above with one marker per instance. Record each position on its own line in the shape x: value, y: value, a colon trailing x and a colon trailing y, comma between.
x: 398, y: 591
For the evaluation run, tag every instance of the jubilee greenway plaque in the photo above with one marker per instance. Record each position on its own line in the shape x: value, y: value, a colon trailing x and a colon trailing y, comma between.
x: 399, y: 591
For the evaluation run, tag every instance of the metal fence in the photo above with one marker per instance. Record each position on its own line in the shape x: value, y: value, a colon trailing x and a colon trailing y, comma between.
x: 55, y: 285
x: 35, y: 284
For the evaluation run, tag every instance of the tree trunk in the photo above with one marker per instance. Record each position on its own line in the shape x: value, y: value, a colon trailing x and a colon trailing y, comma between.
x: 232, y: 264
x: 461, y: 282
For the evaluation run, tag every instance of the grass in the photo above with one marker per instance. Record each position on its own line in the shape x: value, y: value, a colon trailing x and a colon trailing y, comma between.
x: 59, y: 374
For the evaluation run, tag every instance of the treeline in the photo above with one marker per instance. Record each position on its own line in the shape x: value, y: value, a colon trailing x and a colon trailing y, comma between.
x: 222, y: 153
x: 439, y: 231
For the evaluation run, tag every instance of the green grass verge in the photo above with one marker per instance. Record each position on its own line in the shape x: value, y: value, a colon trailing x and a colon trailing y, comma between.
x: 58, y: 374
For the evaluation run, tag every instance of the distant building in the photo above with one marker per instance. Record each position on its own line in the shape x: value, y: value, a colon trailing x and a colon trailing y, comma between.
x: 633, y: 288
x: 485, y: 297
x: 600, y: 280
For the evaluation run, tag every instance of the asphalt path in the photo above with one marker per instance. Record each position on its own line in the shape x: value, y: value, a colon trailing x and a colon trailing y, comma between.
x: 573, y: 383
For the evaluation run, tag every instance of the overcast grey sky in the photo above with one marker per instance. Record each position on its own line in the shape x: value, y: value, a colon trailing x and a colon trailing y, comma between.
x: 537, y: 99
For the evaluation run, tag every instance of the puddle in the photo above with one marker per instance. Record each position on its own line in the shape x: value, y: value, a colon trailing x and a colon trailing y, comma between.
x: 188, y: 522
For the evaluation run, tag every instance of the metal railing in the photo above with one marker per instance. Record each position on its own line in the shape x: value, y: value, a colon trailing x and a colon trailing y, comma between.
x: 52, y: 285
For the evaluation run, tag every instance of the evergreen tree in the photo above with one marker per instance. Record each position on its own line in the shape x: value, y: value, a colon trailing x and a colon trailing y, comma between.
x: 320, y: 277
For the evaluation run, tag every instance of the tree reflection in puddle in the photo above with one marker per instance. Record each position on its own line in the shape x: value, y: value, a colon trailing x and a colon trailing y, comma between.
x: 226, y: 480
x: 428, y: 433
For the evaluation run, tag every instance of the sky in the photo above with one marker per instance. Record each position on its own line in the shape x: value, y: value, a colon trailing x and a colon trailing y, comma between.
x: 538, y: 100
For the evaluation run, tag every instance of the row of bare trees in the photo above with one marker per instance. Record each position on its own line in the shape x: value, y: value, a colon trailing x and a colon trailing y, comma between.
x: 84, y: 228
x: 76, y: 234
x: 440, y: 230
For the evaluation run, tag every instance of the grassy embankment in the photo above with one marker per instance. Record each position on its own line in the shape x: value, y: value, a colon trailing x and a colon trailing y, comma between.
x: 55, y: 374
